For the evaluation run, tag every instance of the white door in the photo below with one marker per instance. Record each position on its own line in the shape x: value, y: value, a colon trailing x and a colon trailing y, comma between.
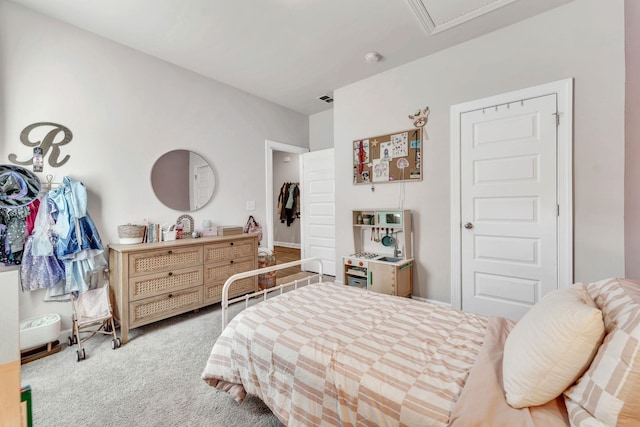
x: 318, y: 208
x: 509, y: 210
x: 204, y: 183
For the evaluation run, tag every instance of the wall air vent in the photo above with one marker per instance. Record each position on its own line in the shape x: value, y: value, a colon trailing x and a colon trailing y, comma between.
x: 326, y: 98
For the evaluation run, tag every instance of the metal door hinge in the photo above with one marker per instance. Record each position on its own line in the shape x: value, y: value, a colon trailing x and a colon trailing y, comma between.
x: 558, y: 210
x: 557, y: 118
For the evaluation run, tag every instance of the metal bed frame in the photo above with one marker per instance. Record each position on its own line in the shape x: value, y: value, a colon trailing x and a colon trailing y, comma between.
x: 226, y: 302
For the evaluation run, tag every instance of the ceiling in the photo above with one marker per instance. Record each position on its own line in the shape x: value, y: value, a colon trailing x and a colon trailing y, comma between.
x: 289, y: 51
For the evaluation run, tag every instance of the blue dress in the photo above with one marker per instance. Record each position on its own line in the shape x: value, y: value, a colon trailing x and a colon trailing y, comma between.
x: 79, y: 245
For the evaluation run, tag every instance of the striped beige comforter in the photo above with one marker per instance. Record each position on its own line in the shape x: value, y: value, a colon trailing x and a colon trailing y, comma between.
x: 329, y: 354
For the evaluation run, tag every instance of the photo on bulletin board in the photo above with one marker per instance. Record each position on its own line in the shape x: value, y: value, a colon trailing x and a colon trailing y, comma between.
x: 388, y: 158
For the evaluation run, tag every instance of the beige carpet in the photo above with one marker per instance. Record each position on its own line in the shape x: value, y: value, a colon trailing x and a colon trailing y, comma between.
x: 154, y: 380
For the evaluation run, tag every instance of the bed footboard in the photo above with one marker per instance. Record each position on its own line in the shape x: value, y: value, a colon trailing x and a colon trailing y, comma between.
x: 280, y: 288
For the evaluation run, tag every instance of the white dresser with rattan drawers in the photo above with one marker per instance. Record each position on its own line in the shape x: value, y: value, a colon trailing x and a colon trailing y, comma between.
x: 154, y: 281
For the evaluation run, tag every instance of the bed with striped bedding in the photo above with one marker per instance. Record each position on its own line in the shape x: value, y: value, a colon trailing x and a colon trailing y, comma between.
x: 329, y: 354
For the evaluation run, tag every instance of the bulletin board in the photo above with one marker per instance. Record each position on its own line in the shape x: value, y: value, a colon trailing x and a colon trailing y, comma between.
x: 388, y: 158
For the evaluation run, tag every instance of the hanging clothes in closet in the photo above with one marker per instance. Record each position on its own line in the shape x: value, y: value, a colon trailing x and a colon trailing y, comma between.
x: 65, y: 246
x: 289, y: 203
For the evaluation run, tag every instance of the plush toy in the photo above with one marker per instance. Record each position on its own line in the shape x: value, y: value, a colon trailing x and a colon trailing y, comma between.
x: 420, y: 118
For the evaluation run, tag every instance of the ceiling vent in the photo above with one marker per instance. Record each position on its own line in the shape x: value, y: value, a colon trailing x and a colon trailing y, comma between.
x: 326, y: 98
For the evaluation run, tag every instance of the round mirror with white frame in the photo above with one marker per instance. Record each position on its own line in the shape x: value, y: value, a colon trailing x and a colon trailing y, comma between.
x: 183, y: 180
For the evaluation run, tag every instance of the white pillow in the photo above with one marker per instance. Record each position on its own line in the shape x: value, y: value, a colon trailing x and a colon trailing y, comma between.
x: 551, y: 346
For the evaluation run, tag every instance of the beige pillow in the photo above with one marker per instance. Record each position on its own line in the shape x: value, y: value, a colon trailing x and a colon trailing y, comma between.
x: 551, y: 346
x: 610, y: 388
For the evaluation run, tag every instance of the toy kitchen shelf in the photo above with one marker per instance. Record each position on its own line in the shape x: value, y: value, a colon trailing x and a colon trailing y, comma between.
x: 383, y: 257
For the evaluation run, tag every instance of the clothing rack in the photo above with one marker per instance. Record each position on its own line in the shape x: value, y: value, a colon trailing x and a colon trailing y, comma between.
x: 50, y: 184
x: 61, y: 266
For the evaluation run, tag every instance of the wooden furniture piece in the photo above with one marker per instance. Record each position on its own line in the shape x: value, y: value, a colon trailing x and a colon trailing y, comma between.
x: 391, y: 278
x: 154, y: 281
x: 381, y: 221
x: 376, y: 266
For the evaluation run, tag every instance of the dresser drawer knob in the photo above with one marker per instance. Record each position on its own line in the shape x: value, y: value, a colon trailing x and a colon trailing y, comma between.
x: 170, y: 252
x: 231, y: 262
x: 171, y: 273
x: 170, y: 295
x: 231, y: 243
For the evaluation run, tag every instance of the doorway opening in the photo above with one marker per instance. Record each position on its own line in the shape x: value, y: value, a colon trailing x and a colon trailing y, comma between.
x: 283, y: 173
x: 270, y: 207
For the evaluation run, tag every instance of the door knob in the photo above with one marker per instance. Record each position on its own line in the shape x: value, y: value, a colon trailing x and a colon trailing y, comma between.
x: 468, y: 226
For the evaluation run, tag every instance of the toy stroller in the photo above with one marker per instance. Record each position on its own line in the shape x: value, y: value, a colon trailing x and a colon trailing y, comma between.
x: 92, y: 313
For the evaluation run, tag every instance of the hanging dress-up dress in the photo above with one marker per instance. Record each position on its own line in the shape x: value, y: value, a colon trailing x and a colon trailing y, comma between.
x: 79, y: 245
x: 40, y: 267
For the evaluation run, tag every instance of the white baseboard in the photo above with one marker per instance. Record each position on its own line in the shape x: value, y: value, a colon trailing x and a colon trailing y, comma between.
x: 288, y: 245
x: 446, y: 304
x: 64, y: 335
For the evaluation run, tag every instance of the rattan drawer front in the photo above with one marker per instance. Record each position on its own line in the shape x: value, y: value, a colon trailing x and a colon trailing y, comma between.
x: 160, y: 283
x: 163, y: 306
x: 141, y: 282
x: 213, y: 291
x: 229, y: 250
x: 164, y: 260
x: 222, y: 271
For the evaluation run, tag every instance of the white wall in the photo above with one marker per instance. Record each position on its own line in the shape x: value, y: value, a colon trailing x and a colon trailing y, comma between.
x: 125, y: 110
x: 632, y: 136
x: 285, y: 171
x: 583, y: 39
x: 321, y: 130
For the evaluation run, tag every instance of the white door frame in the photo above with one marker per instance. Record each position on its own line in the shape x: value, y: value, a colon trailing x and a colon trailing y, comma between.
x: 564, y: 91
x: 269, y: 148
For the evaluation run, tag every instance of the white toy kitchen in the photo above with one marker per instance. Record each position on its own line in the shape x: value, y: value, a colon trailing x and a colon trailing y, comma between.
x: 383, y: 257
